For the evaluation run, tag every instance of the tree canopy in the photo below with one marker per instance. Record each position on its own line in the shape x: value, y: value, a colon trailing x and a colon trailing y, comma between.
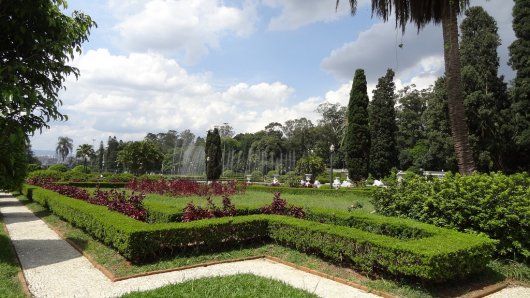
x: 38, y: 41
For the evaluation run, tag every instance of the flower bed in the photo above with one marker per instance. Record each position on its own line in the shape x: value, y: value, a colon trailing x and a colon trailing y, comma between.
x: 114, y: 200
x: 436, y: 255
x: 180, y: 187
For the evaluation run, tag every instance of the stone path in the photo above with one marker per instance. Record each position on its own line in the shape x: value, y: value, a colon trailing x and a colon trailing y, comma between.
x: 53, y: 268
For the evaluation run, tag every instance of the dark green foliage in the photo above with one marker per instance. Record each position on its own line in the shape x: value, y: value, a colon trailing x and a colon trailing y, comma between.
x: 441, y: 151
x: 140, y: 157
x: 494, y: 204
x: 310, y: 164
x: 383, y: 128
x: 38, y: 41
x: 13, y: 157
x: 519, y: 53
x: 485, y: 97
x: 213, y: 155
x: 411, y: 129
x: 373, y: 243
x: 58, y: 167
x: 111, y: 155
x: 357, y: 138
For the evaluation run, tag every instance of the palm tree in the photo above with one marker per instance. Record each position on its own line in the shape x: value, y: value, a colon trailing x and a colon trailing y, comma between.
x: 422, y: 12
x: 64, y: 147
x: 84, y: 151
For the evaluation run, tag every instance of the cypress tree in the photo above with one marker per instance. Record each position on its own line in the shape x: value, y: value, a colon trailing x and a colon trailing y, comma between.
x: 383, y: 128
x: 357, y: 138
x: 485, y: 97
x: 519, y: 53
x: 214, y: 155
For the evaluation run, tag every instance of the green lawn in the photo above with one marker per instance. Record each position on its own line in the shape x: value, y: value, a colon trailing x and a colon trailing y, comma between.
x: 9, y: 282
x: 256, y: 199
x: 242, y: 285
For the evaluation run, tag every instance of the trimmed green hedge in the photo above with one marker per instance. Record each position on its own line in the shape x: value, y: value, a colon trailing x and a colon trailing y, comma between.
x: 434, y: 254
x: 302, y: 190
x: 494, y: 204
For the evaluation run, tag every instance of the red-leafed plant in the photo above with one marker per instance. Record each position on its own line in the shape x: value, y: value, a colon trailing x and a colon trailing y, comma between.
x: 279, y: 206
x: 192, y: 212
x: 178, y: 187
x: 112, y: 199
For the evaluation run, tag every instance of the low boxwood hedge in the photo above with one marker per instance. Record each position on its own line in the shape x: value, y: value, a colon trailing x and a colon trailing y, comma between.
x: 369, y: 242
x: 303, y: 190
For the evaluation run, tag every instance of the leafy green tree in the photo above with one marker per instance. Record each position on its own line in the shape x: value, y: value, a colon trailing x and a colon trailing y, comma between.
x: 437, y: 11
x: 330, y: 131
x: 86, y: 152
x: 140, y: 157
x: 357, y: 139
x: 111, y: 155
x: 213, y: 155
x: 310, y: 164
x: 411, y: 129
x: 383, y: 128
x: 485, y: 97
x: 299, y: 136
x: 101, y: 156
x: 519, y: 53
x: 38, y: 41
x: 64, y: 147
x: 13, y: 157
x: 441, y: 152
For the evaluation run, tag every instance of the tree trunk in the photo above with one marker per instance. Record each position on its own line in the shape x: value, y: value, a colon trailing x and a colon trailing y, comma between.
x: 457, y: 117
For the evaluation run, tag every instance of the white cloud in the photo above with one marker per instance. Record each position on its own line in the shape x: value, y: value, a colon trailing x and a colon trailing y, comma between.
x: 191, y: 26
x: 421, y: 54
x: 128, y: 96
x: 377, y: 49
x: 262, y: 94
x: 297, y: 13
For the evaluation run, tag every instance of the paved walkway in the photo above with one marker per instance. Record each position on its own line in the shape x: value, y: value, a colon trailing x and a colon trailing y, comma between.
x: 53, y: 268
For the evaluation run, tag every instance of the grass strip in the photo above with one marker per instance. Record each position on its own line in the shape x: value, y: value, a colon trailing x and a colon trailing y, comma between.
x: 241, y: 285
x: 9, y: 268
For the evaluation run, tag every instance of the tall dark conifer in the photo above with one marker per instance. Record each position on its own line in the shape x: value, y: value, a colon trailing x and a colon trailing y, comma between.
x: 214, y: 156
x: 485, y: 96
x: 519, y: 53
x: 357, y: 138
x: 383, y: 128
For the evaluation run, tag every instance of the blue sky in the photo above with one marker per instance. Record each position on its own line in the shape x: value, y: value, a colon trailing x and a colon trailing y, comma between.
x: 155, y: 65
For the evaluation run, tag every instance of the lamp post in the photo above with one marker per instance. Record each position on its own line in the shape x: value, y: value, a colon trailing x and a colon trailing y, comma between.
x: 207, y: 161
x: 331, y: 149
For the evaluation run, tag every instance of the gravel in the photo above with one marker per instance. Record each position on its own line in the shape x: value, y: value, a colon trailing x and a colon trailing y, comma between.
x: 53, y: 268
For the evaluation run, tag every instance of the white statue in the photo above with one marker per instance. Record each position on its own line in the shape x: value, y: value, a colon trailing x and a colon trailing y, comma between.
x: 378, y: 183
x: 336, y: 183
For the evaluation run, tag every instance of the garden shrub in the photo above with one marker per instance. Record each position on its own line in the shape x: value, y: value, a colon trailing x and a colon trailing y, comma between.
x: 80, y: 169
x: 76, y: 176
x: 493, y: 204
x: 303, y: 190
x: 256, y: 176
x: 436, y: 255
x: 45, y: 174
x: 58, y: 167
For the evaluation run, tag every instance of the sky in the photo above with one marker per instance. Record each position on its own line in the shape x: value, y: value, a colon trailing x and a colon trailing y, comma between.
x: 156, y: 65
